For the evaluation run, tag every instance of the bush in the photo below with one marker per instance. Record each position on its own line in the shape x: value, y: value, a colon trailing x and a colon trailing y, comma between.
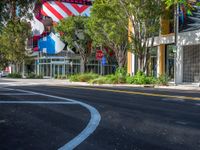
x: 150, y: 80
x: 14, y: 75
x: 130, y: 79
x: 100, y: 80
x: 112, y: 79
x: 86, y: 77
x: 63, y: 77
x: 74, y: 78
x: 120, y: 75
x: 140, y: 78
x: 34, y: 76
x: 163, y: 80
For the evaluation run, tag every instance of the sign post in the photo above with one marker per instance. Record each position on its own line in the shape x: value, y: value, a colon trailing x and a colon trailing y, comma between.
x: 99, y: 56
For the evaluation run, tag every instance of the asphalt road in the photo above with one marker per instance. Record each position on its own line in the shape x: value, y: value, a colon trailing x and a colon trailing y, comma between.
x: 131, y: 118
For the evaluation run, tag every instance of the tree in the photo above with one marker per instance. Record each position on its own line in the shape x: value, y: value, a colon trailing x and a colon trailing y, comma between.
x: 13, y: 37
x: 13, y: 30
x: 75, y: 32
x: 144, y: 17
x: 12, y: 9
x: 108, y: 28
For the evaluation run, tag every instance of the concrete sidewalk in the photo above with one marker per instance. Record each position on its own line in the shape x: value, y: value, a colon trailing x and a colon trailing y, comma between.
x: 57, y: 82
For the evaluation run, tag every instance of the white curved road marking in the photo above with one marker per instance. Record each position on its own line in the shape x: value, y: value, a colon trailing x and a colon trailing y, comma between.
x: 90, y: 128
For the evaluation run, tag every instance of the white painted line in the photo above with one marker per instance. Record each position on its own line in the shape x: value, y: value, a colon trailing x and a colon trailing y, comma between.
x: 90, y: 128
x: 35, y: 102
x: 173, y: 99
x: 181, y: 122
x: 16, y: 94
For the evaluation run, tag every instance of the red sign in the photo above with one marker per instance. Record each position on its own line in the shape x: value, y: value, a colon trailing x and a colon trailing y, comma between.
x: 99, y: 54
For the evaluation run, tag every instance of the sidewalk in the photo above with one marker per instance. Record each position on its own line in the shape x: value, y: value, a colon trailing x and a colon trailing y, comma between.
x: 56, y: 82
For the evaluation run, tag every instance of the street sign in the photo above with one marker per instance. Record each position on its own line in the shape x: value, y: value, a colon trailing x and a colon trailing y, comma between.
x: 103, y: 61
x: 99, y: 54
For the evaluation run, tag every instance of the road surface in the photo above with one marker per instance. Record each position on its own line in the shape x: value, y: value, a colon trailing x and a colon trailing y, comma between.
x: 42, y: 117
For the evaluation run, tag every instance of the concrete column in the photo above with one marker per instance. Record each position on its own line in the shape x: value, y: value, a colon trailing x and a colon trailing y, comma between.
x: 161, y: 60
x: 129, y: 63
x: 132, y: 64
x: 179, y: 65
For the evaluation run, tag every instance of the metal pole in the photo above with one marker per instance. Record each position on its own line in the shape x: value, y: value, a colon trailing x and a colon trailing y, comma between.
x: 176, y: 39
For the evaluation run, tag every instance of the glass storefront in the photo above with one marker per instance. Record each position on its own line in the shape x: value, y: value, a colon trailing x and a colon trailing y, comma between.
x: 169, y: 61
x: 153, y: 63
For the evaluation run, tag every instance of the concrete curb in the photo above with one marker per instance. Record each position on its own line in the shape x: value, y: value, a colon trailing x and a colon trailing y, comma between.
x: 58, y: 82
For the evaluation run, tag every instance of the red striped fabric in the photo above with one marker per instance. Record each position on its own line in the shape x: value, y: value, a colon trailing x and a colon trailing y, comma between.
x: 80, y: 9
x: 68, y: 8
x: 65, y: 9
x: 57, y: 14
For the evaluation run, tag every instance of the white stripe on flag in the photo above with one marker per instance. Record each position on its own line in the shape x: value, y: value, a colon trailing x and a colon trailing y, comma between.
x: 86, y: 12
x: 72, y: 9
x: 49, y: 13
x: 58, y: 9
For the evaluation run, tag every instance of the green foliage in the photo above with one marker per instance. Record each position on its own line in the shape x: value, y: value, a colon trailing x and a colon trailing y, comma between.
x: 120, y: 75
x: 74, y: 78
x: 74, y: 31
x: 86, y: 77
x: 14, y: 75
x: 108, y: 27
x: 34, y: 76
x: 130, y: 79
x: 12, y: 9
x: 117, y: 78
x: 13, y: 37
x: 163, y: 80
x: 60, y: 77
x: 140, y: 78
x: 100, y: 80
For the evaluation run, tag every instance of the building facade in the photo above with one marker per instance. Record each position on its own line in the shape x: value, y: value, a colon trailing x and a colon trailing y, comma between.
x: 52, y: 56
x: 180, y: 61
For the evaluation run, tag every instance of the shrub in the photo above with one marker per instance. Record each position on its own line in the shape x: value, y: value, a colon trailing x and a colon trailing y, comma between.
x: 63, y: 77
x: 130, y: 79
x: 100, y: 80
x: 14, y: 75
x: 163, y: 80
x: 86, y: 77
x: 139, y: 78
x: 120, y: 75
x: 112, y: 79
x: 150, y: 80
x: 34, y: 76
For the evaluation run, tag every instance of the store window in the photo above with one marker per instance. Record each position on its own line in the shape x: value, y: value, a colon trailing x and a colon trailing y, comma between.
x: 169, y: 58
x: 153, y: 63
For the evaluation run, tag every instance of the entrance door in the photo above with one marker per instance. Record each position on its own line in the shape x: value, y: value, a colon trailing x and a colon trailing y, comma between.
x: 170, y: 61
x: 58, y: 70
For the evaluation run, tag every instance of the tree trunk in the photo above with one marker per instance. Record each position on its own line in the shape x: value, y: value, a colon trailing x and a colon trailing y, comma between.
x: 121, y: 58
x: 83, y: 65
x: 13, y: 9
x: 141, y: 63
